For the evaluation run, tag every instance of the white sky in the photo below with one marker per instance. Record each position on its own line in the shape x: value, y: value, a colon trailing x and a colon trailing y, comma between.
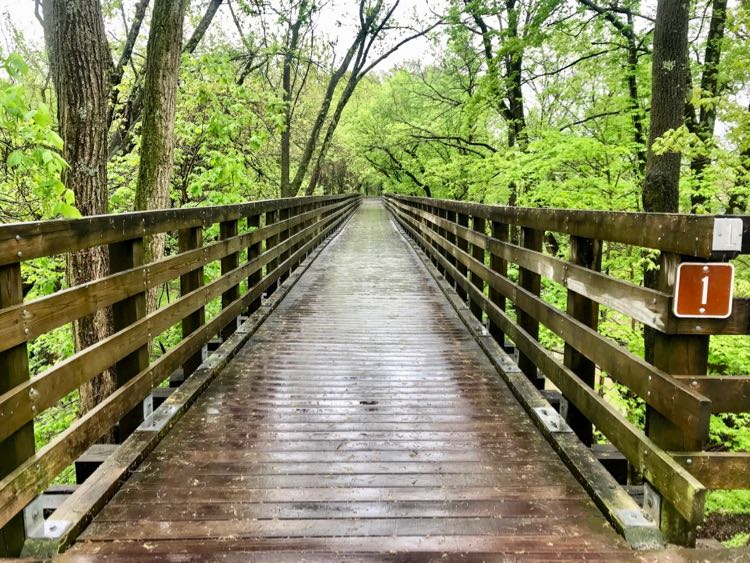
x: 21, y: 14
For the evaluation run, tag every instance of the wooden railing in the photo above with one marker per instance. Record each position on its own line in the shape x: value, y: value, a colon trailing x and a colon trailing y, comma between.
x: 274, y: 236
x: 473, y: 245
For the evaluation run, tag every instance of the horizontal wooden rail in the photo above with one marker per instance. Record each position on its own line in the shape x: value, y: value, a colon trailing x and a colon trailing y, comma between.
x: 687, y: 492
x: 308, y: 221
x: 24, y: 241
x: 662, y: 231
x: 19, y: 405
x: 473, y: 245
x: 728, y: 393
x: 717, y: 470
x: 656, y: 388
x: 645, y: 305
x: 28, y: 320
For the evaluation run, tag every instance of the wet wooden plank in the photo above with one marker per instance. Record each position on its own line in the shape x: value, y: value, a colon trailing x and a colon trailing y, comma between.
x: 361, y: 418
x: 468, y: 548
x: 565, y: 508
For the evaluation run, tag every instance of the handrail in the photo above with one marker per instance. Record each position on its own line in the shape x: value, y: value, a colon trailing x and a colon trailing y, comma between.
x: 277, y: 234
x: 24, y: 241
x: 662, y: 231
x: 473, y: 245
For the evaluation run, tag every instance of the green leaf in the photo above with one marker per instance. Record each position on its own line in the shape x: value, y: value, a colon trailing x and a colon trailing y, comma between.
x: 15, y: 159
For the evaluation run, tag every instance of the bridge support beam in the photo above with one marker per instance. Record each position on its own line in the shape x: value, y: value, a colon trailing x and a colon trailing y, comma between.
x: 685, y: 355
x: 271, y: 218
x: 126, y: 255
x: 587, y: 253
x: 227, y: 230
x: 477, y: 252
x: 284, y: 214
x: 190, y: 239
x: 253, y: 251
x: 501, y: 232
x: 533, y: 239
x: 463, y: 245
x: 17, y: 448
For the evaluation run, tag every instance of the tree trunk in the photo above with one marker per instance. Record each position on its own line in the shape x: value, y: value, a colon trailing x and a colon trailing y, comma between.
x: 668, y: 95
x: 661, y: 193
x: 160, y: 99
x: 704, y: 128
x: 287, y: 94
x: 513, y: 72
x: 639, y: 135
x: 80, y: 65
x: 121, y: 139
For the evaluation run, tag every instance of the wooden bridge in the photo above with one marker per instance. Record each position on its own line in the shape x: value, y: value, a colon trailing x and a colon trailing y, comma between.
x: 364, y: 379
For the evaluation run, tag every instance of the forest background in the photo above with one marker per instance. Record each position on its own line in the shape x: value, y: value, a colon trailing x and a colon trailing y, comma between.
x: 515, y: 102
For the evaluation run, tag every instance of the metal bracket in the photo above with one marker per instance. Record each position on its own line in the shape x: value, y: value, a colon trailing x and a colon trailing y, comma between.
x: 148, y: 406
x: 634, y: 518
x: 159, y: 419
x: 33, y: 514
x: 563, y: 407
x: 651, y: 502
x: 551, y: 420
x: 54, y: 529
x: 727, y: 234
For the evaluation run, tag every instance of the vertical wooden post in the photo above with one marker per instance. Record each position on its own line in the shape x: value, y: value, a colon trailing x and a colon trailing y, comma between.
x: 441, y: 213
x: 14, y: 370
x: 477, y: 252
x: 253, y: 251
x: 533, y: 240
x: 124, y: 256
x: 299, y: 210
x: 451, y: 216
x: 284, y: 214
x: 462, y: 244
x: 500, y: 232
x: 227, y: 230
x: 687, y: 355
x: 587, y: 253
x: 190, y: 239
x: 435, y: 229
x: 271, y: 218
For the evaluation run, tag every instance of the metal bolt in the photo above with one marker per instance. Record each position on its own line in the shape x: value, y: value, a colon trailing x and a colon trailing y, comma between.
x: 702, y: 310
x: 18, y: 237
x: 689, y: 461
x: 18, y: 254
x: 705, y: 268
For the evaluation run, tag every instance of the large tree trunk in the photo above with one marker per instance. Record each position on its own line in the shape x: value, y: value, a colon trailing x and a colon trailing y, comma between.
x: 80, y: 65
x: 668, y: 93
x: 160, y: 100
x: 121, y: 139
x: 704, y: 127
x: 661, y: 193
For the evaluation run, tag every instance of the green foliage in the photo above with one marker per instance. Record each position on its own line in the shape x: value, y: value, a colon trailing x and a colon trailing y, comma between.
x: 30, y: 161
x: 728, y: 501
x: 738, y: 540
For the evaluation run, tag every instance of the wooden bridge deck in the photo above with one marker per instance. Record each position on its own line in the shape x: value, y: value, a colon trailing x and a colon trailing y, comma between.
x: 361, y: 419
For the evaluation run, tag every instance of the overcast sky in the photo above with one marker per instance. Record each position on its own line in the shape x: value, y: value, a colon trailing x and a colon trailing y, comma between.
x: 337, y: 20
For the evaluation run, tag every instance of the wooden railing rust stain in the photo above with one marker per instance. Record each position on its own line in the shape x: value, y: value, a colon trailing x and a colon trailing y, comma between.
x: 278, y: 235
x: 459, y: 236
